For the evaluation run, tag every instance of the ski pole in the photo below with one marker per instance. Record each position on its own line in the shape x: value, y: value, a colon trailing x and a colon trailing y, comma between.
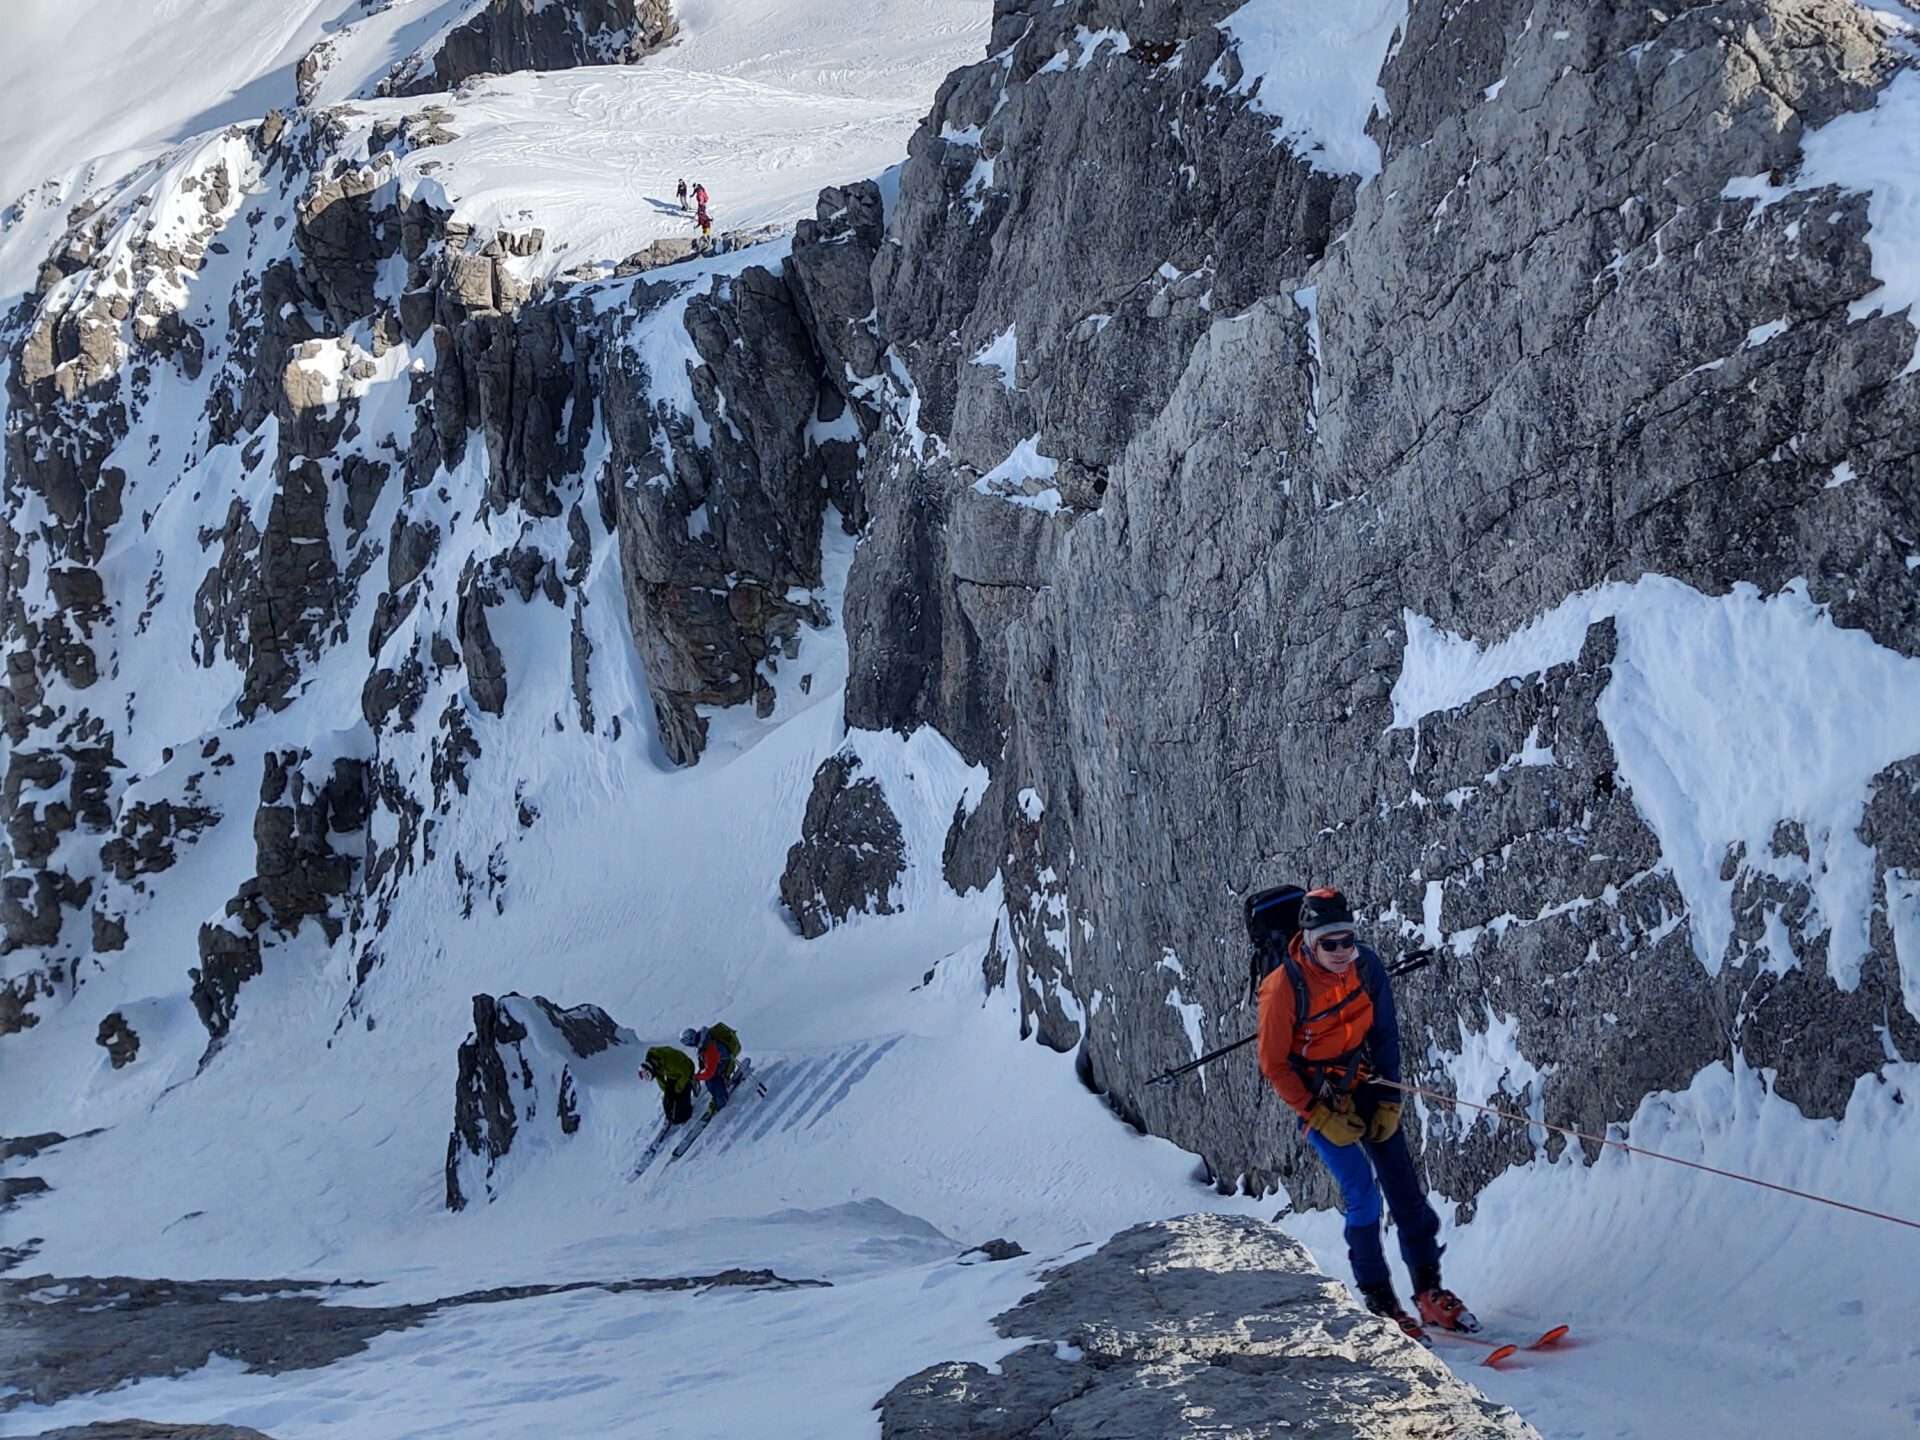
x: 1405, y: 965
x: 1180, y: 1070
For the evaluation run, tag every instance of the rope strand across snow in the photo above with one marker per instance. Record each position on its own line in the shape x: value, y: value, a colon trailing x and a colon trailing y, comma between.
x: 1650, y: 1154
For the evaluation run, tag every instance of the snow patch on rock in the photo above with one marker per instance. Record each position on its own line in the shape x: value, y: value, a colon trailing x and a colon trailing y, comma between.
x: 1316, y: 68
x: 1728, y: 714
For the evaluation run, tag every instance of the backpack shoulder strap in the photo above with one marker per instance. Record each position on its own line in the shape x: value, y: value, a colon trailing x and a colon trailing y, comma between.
x: 1299, y: 984
x: 1373, y: 970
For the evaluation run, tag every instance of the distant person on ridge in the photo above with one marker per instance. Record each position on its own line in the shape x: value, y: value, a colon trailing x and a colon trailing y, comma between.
x: 680, y: 194
x: 672, y: 1071
x: 705, y: 222
x: 718, y: 1047
x: 699, y: 194
x: 1322, y: 1061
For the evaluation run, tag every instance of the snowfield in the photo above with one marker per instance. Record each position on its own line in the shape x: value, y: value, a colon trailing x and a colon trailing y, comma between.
x: 905, y: 1119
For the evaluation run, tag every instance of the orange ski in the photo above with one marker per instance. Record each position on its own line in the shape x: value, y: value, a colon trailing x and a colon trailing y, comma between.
x: 1499, y: 1350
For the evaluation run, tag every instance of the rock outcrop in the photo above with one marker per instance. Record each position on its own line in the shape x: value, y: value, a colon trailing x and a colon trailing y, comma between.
x: 1171, y: 1324
x: 306, y: 836
x: 119, y: 1039
x: 84, y: 1334
x: 720, y: 550
x: 850, y: 854
x: 520, y: 1071
x: 504, y: 35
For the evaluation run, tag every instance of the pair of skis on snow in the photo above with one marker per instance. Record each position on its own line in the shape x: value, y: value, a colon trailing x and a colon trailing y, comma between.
x: 1499, y: 1350
x: 742, y: 1080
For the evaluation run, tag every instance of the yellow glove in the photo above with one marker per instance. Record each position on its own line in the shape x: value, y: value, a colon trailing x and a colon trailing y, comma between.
x: 1337, y: 1122
x: 1386, y: 1120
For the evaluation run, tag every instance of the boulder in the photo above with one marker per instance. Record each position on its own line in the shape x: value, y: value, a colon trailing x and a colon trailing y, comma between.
x: 1173, y: 1327
x: 851, y: 853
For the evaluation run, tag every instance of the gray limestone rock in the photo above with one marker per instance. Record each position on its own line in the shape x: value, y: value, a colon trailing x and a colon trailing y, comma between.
x: 1173, y: 1326
x: 720, y: 556
x: 851, y: 852
x: 1286, y: 410
x: 85, y: 1334
x: 507, y: 35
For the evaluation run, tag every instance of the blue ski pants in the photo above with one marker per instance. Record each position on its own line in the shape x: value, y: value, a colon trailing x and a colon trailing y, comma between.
x: 721, y: 1085
x: 1363, y: 1170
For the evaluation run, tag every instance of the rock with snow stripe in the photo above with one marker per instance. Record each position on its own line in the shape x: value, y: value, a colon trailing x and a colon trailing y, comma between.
x: 526, y: 1075
x: 720, y: 549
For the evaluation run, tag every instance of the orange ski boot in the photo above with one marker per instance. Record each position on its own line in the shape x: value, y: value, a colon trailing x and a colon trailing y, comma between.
x: 1442, y: 1309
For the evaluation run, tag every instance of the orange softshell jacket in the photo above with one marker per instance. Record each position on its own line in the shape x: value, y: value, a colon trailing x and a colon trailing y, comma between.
x: 1339, y: 1016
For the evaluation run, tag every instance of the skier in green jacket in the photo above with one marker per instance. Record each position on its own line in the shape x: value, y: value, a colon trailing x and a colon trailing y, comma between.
x: 672, y: 1071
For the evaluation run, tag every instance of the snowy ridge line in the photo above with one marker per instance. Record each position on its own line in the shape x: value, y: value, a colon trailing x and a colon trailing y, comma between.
x: 1525, y: 1120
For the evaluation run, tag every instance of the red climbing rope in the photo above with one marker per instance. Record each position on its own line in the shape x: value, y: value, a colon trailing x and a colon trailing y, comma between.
x: 1650, y: 1154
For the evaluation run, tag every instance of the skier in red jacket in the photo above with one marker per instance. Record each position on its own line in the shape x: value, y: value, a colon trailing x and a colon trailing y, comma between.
x: 716, y: 1048
x: 1327, y: 1033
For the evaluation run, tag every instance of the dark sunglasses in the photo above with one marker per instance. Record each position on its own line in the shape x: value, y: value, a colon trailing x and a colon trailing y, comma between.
x: 1338, y: 942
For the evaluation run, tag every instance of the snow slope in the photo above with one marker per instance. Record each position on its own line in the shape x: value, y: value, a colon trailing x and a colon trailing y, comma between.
x: 766, y: 102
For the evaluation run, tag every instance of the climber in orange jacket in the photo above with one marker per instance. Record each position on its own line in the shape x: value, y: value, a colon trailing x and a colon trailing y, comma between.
x: 1328, y: 1035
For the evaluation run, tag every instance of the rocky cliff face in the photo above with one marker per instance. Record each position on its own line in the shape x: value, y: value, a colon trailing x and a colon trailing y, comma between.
x: 1187, y: 461
x: 370, y: 446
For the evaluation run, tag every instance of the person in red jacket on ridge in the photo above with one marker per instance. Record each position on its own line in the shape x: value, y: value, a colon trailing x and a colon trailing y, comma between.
x: 1322, y: 1063
x: 715, y: 1048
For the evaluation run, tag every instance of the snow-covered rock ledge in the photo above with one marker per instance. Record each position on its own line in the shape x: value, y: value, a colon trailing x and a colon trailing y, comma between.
x: 1202, y: 1324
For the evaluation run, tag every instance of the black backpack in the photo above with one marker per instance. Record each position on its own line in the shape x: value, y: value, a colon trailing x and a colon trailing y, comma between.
x: 1273, y: 918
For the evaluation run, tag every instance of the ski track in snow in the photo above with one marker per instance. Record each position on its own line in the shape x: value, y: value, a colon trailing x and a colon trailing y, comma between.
x: 903, y: 1121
